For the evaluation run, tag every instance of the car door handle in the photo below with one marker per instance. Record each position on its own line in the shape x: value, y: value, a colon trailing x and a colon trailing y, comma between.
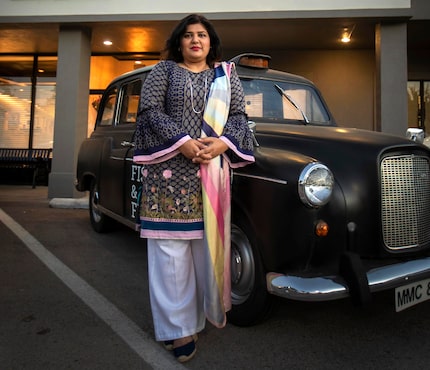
x: 127, y: 144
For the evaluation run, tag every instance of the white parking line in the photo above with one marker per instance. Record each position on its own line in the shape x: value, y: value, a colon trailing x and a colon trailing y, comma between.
x: 133, y: 335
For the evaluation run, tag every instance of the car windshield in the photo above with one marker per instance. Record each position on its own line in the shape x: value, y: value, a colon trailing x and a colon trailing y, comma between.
x: 265, y: 100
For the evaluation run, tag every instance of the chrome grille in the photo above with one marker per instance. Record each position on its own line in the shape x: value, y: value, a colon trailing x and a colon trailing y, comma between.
x: 405, y: 191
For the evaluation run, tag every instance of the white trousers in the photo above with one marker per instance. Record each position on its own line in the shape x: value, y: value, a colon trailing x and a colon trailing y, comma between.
x: 176, y: 282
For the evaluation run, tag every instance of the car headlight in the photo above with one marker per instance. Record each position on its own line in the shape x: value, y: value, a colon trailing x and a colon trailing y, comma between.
x: 315, y: 185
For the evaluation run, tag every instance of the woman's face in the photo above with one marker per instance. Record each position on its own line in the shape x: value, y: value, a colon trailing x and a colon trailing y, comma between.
x: 195, y: 43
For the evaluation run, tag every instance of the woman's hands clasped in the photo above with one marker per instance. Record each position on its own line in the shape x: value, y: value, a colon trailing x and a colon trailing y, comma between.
x: 203, y: 150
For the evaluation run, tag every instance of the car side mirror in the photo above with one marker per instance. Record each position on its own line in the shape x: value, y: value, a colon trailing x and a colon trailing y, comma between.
x: 415, y: 134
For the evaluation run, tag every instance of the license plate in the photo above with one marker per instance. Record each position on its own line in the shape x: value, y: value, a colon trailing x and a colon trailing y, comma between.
x: 412, y: 294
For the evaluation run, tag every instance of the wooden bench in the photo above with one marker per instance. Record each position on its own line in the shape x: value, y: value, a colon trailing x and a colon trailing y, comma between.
x: 31, y: 159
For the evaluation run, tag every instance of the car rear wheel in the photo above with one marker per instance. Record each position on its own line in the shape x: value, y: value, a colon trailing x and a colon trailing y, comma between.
x: 251, y: 302
x: 99, y: 221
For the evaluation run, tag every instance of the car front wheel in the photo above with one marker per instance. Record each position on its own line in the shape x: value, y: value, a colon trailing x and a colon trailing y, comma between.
x: 250, y: 300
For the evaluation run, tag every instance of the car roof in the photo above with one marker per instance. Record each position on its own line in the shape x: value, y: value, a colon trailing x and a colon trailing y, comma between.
x: 242, y: 70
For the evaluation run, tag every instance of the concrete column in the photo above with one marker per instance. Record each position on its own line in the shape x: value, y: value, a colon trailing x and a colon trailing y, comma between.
x: 391, y: 78
x: 71, y: 109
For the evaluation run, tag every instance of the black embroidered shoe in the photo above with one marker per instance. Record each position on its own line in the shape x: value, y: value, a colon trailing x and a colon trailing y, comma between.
x: 168, y: 344
x: 186, y: 352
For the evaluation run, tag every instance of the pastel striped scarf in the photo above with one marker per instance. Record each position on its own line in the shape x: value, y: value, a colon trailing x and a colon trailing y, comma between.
x: 216, y: 203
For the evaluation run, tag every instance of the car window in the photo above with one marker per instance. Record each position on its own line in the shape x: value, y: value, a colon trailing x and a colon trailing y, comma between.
x: 130, y: 102
x: 107, y: 107
x: 264, y: 101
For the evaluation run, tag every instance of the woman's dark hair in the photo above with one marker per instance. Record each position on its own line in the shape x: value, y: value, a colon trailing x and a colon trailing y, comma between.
x: 173, y: 44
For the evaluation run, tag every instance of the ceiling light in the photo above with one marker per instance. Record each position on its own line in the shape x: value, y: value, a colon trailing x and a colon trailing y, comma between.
x: 345, y: 37
x: 346, y: 34
x: 107, y: 42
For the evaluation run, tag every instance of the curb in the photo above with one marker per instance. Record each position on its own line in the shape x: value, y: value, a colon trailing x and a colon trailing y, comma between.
x: 69, y: 203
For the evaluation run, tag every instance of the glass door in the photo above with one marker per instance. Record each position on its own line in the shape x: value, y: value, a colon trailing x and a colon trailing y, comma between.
x: 419, y: 105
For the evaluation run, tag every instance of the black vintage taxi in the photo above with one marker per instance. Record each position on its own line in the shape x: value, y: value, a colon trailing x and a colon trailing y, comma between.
x: 324, y: 212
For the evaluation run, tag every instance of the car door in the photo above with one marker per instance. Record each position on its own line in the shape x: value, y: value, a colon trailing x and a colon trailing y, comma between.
x: 118, y: 128
x: 132, y: 171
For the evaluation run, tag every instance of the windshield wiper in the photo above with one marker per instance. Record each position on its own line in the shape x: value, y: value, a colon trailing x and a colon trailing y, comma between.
x: 293, y: 103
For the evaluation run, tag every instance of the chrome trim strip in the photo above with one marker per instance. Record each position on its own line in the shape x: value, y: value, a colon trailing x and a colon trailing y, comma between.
x: 118, y: 218
x: 392, y: 276
x: 323, y: 288
x: 278, y: 181
x: 326, y: 288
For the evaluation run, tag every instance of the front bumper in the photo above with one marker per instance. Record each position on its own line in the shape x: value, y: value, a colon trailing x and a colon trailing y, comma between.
x: 326, y: 288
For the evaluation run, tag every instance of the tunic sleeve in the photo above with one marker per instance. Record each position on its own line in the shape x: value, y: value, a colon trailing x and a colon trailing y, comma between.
x: 158, y: 136
x: 237, y: 134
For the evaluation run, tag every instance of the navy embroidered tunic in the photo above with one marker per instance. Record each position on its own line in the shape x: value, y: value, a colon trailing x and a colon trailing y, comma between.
x: 171, y: 111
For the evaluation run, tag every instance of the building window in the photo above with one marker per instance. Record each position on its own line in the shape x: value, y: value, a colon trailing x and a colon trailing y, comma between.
x: 419, y: 105
x: 27, y: 101
x: 28, y: 92
x: 103, y: 70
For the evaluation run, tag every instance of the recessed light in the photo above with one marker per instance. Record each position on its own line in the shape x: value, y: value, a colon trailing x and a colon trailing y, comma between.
x: 345, y: 39
x: 107, y: 42
x: 346, y: 34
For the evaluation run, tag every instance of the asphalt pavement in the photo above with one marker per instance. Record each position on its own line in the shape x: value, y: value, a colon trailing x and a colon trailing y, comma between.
x: 71, y: 298
x: 52, y: 316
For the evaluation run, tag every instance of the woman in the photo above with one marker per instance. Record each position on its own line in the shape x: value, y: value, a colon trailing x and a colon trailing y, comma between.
x: 191, y: 128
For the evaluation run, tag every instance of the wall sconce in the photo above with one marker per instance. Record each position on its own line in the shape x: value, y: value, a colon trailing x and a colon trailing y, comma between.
x: 346, y: 34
